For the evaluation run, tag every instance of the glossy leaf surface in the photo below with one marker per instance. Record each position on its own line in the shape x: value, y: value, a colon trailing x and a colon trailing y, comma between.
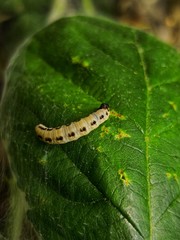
x: 122, y: 180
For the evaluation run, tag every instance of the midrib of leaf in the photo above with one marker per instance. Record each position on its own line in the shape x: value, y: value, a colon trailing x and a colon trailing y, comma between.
x: 148, y: 89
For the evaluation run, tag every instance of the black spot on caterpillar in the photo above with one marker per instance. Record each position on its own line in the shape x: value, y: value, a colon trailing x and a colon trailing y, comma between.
x: 68, y: 133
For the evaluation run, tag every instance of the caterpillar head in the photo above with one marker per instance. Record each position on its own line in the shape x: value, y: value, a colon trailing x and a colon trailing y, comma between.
x: 104, y: 106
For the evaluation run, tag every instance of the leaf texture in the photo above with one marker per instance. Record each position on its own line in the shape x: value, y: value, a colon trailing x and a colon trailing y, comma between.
x: 122, y: 180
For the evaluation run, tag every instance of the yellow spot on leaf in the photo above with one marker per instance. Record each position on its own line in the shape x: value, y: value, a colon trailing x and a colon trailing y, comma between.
x: 121, y: 134
x: 175, y: 177
x: 123, y: 177
x: 173, y: 105
x: 65, y: 105
x: 172, y: 176
x: 105, y: 130
x: 77, y: 60
x: 165, y: 115
x: 85, y: 64
x: 117, y: 115
x: 43, y: 161
x: 100, y: 149
x: 168, y: 175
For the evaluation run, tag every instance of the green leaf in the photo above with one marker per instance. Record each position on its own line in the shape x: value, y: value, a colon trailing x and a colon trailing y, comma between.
x: 122, y: 180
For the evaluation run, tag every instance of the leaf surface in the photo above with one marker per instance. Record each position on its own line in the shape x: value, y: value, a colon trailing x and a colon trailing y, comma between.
x: 122, y: 180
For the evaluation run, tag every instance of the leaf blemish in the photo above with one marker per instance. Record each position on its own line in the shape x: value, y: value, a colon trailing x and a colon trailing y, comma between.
x: 165, y: 115
x: 121, y: 134
x: 118, y: 115
x: 123, y: 177
x: 100, y: 149
x: 77, y: 60
x: 85, y: 64
x: 173, y: 105
x: 43, y: 161
x: 105, y: 130
x: 172, y: 176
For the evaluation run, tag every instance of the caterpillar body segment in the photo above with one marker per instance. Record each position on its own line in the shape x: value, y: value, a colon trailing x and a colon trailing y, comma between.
x: 67, y: 133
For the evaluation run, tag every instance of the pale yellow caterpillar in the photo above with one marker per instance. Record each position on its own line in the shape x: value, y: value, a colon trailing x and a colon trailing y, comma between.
x: 68, y: 133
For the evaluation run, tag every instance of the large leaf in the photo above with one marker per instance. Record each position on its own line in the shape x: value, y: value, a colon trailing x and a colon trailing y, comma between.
x: 122, y: 180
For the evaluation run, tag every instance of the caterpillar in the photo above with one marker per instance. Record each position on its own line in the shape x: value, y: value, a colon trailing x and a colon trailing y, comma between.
x: 67, y: 133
